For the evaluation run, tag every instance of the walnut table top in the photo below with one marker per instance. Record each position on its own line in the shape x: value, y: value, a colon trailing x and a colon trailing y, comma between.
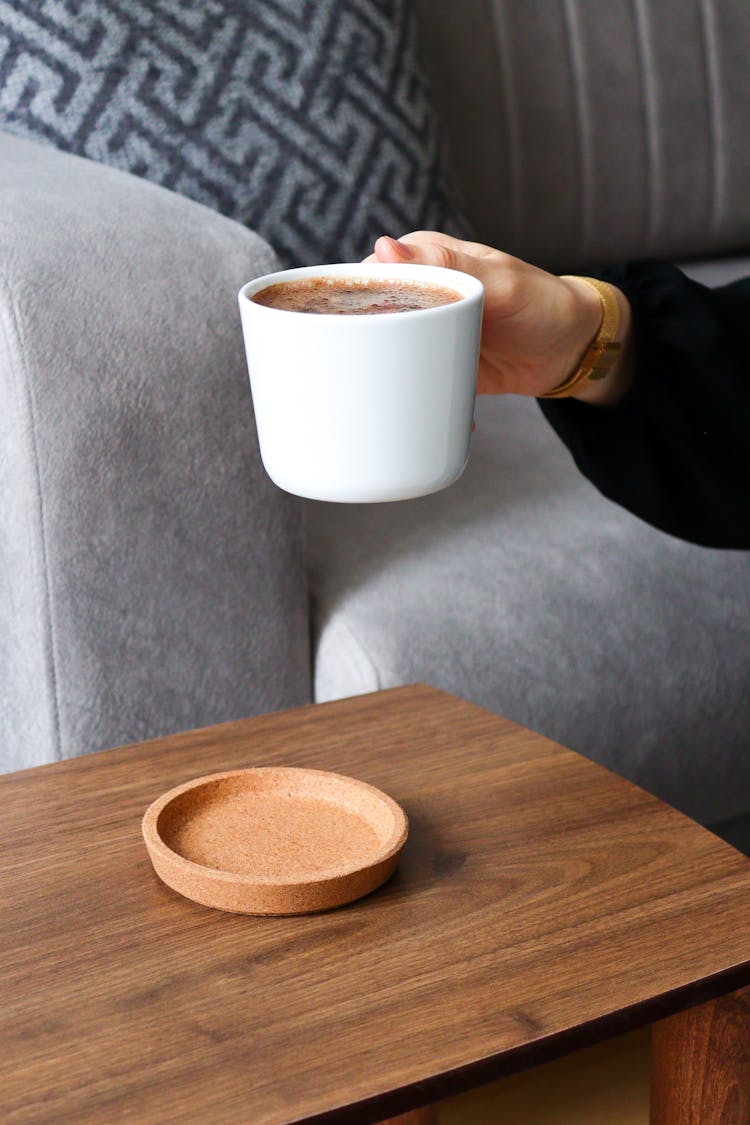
x: 541, y: 903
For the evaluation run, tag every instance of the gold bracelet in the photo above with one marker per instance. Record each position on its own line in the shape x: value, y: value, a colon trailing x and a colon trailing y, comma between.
x: 604, y: 348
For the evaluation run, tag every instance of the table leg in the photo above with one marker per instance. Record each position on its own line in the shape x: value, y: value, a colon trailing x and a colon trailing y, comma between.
x: 700, y: 1064
x: 426, y: 1116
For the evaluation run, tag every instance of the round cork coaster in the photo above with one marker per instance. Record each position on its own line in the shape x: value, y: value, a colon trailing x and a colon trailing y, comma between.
x: 274, y: 840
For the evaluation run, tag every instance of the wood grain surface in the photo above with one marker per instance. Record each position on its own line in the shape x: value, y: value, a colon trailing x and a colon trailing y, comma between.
x: 700, y: 1064
x: 541, y: 903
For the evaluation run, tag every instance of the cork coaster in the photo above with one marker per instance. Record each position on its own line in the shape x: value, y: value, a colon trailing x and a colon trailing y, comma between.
x: 274, y: 840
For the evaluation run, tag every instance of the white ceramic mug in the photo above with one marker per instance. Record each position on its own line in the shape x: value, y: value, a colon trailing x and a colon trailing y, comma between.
x: 363, y: 408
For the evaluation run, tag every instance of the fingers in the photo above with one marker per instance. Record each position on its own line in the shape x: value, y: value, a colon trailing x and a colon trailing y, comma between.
x: 428, y: 248
x: 506, y: 279
x: 473, y: 249
x: 387, y: 249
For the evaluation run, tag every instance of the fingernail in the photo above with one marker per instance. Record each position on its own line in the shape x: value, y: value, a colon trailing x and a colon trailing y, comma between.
x: 401, y: 248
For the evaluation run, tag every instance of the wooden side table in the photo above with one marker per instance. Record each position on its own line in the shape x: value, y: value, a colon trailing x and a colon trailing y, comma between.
x: 542, y: 903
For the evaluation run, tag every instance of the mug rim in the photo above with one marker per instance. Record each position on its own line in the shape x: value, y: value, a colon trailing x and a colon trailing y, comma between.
x: 470, y: 288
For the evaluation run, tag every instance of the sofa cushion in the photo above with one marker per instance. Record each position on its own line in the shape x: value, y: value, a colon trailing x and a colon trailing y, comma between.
x: 522, y: 589
x: 309, y: 122
x: 718, y: 271
x: 585, y: 133
x: 150, y: 573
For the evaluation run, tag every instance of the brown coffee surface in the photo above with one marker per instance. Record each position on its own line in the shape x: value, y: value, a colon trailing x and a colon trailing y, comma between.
x: 355, y: 296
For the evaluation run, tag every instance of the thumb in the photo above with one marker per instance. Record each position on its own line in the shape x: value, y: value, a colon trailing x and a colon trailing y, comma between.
x: 426, y: 253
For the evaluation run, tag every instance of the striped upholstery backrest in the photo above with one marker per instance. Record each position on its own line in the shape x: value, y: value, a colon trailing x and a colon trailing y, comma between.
x: 587, y: 131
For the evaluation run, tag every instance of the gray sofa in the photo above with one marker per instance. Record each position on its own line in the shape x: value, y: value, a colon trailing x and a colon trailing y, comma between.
x: 152, y: 577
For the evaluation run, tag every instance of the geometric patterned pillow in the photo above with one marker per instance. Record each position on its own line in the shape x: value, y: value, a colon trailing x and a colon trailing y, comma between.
x: 307, y: 120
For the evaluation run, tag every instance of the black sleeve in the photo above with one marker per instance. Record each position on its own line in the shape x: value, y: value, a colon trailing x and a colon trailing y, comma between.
x: 676, y: 449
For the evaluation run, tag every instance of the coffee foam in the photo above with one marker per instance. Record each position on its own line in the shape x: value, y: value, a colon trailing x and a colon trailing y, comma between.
x: 355, y: 296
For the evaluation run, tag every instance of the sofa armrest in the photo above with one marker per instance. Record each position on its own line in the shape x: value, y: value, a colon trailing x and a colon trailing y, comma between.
x: 151, y: 576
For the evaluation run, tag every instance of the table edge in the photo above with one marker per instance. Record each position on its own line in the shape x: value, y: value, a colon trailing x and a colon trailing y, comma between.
x: 468, y: 1077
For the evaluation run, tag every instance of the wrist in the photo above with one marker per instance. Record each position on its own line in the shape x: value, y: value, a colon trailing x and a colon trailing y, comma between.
x: 609, y: 390
x: 585, y: 319
x: 600, y: 318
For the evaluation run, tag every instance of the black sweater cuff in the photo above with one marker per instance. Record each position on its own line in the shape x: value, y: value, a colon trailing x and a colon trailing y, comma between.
x: 675, y: 450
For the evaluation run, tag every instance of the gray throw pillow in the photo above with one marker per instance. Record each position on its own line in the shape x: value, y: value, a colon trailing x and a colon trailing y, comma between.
x: 307, y: 120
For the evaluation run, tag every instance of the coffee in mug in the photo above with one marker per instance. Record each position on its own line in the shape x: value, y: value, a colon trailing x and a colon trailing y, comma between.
x: 355, y: 296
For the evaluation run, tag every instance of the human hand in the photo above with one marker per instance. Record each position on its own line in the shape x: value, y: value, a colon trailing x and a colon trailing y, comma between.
x: 536, y: 326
